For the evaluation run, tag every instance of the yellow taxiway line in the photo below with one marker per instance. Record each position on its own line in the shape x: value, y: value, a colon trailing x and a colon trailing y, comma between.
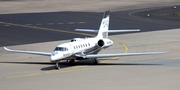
x: 47, y: 29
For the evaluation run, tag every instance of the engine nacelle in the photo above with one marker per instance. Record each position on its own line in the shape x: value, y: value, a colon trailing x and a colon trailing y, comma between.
x: 100, y: 43
x: 104, y: 43
x: 76, y: 39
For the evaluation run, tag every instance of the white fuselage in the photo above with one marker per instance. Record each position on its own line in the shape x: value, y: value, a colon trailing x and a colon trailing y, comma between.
x: 81, y: 47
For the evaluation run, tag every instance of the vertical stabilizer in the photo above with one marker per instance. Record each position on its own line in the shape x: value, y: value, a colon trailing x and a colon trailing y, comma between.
x: 103, y: 29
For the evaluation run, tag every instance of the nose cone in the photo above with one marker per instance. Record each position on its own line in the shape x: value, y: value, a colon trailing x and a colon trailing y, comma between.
x: 55, y: 56
x: 112, y: 42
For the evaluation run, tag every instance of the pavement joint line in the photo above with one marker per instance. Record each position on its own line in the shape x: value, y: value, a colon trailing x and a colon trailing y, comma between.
x: 48, y: 29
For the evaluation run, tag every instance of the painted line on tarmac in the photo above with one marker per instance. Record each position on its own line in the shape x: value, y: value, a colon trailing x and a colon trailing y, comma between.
x: 25, y: 75
x: 49, y: 23
x: 60, y: 23
x: 126, y: 48
x: 82, y: 22
x: 110, y: 59
x: 175, y: 58
x: 71, y: 22
x: 122, y: 44
x: 47, y: 29
x: 39, y: 24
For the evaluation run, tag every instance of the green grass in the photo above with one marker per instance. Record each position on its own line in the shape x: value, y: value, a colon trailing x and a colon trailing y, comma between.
x: 177, y: 14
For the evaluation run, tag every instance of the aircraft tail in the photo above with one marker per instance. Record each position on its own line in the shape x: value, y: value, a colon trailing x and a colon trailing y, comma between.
x: 104, y: 27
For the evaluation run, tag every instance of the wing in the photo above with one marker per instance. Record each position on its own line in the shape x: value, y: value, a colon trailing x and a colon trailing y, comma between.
x: 28, y: 52
x: 120, y: 54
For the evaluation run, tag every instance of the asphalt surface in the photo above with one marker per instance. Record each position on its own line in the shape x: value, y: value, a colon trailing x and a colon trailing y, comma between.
x: 43, y: 31
x: 160, y: 13
x: 17, y: 29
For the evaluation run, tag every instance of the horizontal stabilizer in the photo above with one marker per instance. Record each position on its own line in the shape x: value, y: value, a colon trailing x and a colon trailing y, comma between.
x: 109, y: 31
x: 130, y: 30
x: 87, y: 30
x: 28, y: 52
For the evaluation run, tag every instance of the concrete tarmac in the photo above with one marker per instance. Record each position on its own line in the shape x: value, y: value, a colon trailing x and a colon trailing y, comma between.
x: 22, y: 71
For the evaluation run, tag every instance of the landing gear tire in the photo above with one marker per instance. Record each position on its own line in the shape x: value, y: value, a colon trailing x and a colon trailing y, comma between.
x: 95, y: 61
x: 57, y: 66
x: 71, y: 61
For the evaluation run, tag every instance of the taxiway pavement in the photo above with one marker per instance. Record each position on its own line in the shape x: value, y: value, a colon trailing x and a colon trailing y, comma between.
x: 43, y: 31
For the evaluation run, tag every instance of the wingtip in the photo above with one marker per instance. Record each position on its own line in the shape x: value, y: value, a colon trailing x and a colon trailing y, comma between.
x: 5, y: 48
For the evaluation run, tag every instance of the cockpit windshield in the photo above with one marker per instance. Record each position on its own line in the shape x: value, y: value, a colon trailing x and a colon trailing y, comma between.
x: 60, y: 49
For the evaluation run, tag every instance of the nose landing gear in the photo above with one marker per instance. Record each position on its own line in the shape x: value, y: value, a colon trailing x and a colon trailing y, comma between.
x: 57, y: 66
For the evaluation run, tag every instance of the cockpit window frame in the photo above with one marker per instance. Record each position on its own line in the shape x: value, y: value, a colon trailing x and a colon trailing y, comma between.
x: 61, y: 49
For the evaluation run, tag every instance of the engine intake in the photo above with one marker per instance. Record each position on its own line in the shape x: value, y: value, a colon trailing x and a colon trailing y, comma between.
x: 100, y: 43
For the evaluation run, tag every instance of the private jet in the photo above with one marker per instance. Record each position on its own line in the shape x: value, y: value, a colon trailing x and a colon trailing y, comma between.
x: 86, y: 48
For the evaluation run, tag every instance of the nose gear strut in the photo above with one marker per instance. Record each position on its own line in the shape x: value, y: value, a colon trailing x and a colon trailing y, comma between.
x: 57, y: 66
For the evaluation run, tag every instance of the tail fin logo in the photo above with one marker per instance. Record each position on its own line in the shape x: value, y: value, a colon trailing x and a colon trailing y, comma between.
x: 105, y: 24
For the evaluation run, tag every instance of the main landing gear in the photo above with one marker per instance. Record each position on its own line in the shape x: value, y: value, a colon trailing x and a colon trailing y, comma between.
x: 57, y: 67
x: 71, y: 61
x: 95, y: 61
